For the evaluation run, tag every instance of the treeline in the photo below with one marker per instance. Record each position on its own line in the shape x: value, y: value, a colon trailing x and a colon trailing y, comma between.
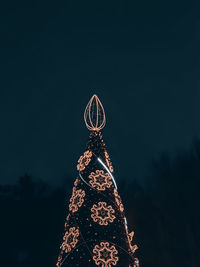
x: 164, y: 215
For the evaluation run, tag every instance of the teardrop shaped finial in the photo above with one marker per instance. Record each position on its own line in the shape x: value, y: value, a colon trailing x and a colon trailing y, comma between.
x: 94, y: 114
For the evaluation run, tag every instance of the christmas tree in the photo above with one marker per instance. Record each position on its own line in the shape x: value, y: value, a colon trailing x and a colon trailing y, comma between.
x: 96, y: 232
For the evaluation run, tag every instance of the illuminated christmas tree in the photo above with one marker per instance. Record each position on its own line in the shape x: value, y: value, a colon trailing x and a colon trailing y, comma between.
x: 96, y: 232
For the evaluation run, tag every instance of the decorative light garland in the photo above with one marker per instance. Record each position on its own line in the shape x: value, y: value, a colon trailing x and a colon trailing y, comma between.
x: 96, y: 213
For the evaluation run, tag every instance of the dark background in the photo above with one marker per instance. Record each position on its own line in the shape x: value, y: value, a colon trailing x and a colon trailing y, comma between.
x: 142, y: 59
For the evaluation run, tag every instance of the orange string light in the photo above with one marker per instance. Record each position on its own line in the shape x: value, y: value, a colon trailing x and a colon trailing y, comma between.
x: 94, y: 115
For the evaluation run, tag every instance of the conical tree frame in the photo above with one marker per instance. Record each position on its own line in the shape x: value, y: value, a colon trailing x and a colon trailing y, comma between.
x: 96, y: 232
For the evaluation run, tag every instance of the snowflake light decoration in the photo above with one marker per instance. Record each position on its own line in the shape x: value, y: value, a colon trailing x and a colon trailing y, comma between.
x: 76, y: 200
x: 105, y: 255
x: 100, y: 180
x: 102, y: 213
x: 84, y: 160
x: 70, y: 239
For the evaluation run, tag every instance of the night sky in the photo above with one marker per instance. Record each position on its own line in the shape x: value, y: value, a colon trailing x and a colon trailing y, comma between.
x: 141, y: 59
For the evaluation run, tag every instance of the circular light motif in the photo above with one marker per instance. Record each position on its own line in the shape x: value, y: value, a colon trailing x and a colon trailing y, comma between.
x: 100, y: 180
x: 102, y: 213
x: 84, y: 160
x: 70, y: 239
x: 76, y: 200
x: 105, y: 255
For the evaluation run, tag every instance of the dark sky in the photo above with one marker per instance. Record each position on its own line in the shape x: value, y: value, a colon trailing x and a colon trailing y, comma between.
x: 141, y: 59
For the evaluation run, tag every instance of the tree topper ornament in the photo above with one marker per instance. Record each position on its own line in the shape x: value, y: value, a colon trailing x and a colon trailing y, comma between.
x: 94, y: 114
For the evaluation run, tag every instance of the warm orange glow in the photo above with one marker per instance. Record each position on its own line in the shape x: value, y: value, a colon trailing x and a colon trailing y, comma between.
x: 100, y: 180
x: 59, y: 259
x: 66, y: 221
x: 105, y: 255
x: 70, y: 239
x: 118, y: 200
x: 133, y: 248
x: 136, y: 263
x: 76, y: 182
x: 76, y: 200
x: 102, y: 213
x: 94, y: 114
x: 84, y: 160
x: 108, y: 161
